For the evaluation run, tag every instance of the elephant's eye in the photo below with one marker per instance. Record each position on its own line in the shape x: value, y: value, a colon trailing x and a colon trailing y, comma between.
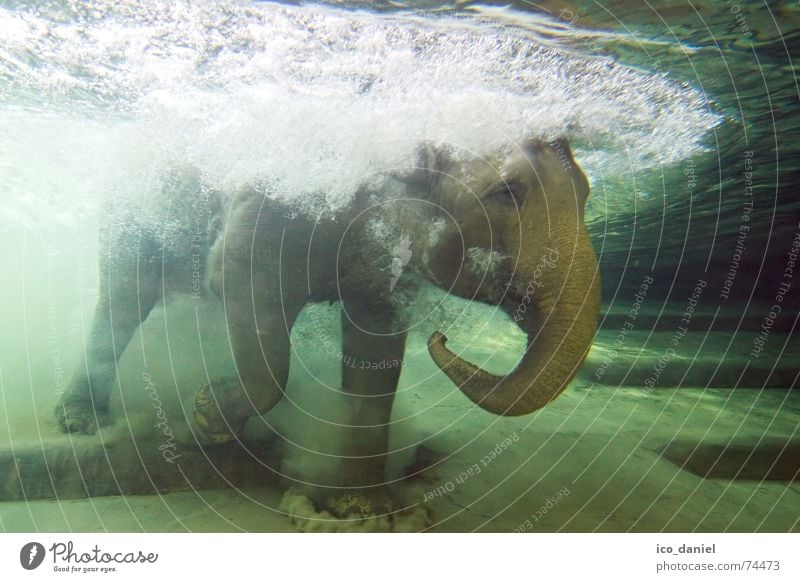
x: 507, y: 191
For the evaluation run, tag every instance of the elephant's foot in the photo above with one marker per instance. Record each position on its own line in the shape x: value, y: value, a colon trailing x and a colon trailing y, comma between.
x: 76, y: 412
x: 353, y: 511
x: 218, y: 410
x: 359, y: 503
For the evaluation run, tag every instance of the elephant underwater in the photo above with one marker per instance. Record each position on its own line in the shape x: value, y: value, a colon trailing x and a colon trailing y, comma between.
x: 506, y: 230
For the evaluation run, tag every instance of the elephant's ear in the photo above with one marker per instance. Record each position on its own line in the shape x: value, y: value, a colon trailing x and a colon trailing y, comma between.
x: 561, y: 167
x: 426, y: 167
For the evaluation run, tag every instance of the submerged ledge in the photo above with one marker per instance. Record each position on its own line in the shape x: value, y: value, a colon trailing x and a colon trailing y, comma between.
x: 73, y: 467
x: 670, y: 319
x: 767, y: 460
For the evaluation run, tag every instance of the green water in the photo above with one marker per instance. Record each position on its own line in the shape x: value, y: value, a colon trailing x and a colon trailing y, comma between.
x: 684, y: 116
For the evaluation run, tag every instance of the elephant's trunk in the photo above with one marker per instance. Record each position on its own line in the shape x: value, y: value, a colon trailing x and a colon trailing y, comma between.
x: 558, y: 310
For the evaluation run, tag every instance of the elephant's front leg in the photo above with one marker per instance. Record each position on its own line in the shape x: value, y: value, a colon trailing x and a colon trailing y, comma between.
x: 259, y: 320
x: 373, y: 355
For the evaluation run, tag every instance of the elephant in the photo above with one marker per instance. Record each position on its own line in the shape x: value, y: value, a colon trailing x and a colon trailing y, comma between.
x: 506, y: 230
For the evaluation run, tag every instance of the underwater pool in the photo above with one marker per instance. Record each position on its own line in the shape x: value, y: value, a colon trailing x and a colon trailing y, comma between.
x: 294, y: 199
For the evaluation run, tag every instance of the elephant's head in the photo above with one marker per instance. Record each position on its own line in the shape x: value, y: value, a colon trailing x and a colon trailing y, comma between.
x: 513, y: 235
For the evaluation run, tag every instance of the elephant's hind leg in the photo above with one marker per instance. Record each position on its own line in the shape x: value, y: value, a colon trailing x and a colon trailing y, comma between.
x: 129, y: 288
x: 259, y: 321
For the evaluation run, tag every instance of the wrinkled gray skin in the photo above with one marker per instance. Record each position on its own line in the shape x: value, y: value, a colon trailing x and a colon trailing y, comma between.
x: 265, y: 263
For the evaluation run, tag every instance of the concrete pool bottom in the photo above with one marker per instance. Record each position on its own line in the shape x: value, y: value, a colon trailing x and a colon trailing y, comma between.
x: 591, y: 461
